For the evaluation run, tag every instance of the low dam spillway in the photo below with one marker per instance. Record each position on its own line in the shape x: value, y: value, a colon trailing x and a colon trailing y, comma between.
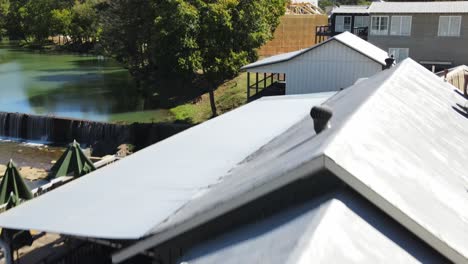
x: 103, y: 137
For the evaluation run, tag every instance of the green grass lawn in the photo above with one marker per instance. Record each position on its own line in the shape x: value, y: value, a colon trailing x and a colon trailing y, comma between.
x: 152, y: 116
x: 228, y: 96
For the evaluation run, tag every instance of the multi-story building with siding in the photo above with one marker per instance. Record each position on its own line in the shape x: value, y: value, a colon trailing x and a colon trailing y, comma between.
x: 434, y: 34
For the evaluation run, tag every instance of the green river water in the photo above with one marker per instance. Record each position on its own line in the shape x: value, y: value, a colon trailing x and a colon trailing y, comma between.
x: 83, y: 87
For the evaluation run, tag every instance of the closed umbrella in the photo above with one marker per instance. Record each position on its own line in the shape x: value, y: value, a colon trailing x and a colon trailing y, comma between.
x: 13, y: 190
x: 73, y: 161
x: 13, y: 187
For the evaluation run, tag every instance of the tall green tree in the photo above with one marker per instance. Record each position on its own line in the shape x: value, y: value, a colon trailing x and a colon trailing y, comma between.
x: 231, y: 31
x: 85, y: 23
x: 14, y: 21
x: 37, y: 19
x: 61, y: 21
x: 210, y: 39
x: 174, y: 45
x: 4, y: 9
x: 127, y: 26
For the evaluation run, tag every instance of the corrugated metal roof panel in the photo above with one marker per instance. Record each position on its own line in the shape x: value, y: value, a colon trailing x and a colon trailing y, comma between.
x: 449, y: 7
x: 351, y: 9
x: 364, y: 47
x: 276, y: 59
x: 128, y: 199
x: 398, y: 138
x: 405, y: 150
x: 348, y: 39
x: 336, y: 228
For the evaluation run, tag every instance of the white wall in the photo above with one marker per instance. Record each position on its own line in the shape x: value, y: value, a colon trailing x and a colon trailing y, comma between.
x: 329, y: 67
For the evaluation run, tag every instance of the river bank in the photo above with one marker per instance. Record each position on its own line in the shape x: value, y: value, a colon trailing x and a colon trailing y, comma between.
x: 33, y: 160
x: 94, y: 88
x: 72, y: 85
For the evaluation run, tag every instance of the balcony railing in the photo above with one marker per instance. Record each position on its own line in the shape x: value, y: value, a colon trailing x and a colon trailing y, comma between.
x: 324, y: 32
x: 361, y: 32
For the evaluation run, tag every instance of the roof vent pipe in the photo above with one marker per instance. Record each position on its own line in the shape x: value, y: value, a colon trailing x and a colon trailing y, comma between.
x: 388, y: 63
x: 321, y: 116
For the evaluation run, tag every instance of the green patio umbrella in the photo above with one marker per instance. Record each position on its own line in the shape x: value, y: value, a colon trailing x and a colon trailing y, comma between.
x: 13, y: 189
x: 72, y: 161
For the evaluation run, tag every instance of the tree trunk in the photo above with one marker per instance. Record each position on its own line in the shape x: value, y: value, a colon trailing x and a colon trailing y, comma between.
x: 212, y: 103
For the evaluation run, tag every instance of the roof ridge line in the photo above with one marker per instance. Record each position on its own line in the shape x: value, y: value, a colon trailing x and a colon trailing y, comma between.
x: 353, y: 113
x: 324, y: 211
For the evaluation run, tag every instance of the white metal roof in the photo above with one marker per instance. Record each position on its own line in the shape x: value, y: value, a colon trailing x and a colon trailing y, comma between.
x: 366, y: 48
x: 398, y: 138
x: 130, y: 198
x: 346, y: 38
x: 351, y: 9
x: 455, y: 7
x: 404, y: 149
x: 276, y: 58
x: 338, y: 228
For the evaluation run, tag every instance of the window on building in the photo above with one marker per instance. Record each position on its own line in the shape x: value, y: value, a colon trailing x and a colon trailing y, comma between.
x: 342, y: 23
x: 379, y: 25
x: 449, y: 26
x: 401, y: 26
x: 361, y: 21
x: 399, y: 54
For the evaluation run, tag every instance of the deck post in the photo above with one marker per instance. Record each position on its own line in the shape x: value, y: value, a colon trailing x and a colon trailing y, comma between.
x: 248, y: 86
x: 264, y: 80
x: 256, y: 83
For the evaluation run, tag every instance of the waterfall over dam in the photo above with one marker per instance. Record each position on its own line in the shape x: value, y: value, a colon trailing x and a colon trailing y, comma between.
x: 103, y: 137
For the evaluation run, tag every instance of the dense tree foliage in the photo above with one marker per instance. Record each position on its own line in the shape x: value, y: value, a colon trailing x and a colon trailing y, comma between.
x: 230, y: 33
x: 189, y: 39
x: 4, y: 7
x: 195, y: 41
x: 34, y: 21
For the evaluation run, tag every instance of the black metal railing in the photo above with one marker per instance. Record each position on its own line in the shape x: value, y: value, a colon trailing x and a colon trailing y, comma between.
x: 323, y: 30
x: 362, y: 32
x: 322, y: 33
x: 259, y: 84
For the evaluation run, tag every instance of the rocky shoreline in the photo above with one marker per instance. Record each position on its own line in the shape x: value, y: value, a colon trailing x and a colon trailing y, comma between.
x: 33, y: 161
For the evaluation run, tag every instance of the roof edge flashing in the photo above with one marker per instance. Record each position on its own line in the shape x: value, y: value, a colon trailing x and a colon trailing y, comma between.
x: 250, y: 66
x: 362, y: 53
x: 169, y: 232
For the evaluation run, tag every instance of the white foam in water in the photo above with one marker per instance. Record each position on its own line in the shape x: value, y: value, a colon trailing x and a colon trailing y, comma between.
x: 32, y: 144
